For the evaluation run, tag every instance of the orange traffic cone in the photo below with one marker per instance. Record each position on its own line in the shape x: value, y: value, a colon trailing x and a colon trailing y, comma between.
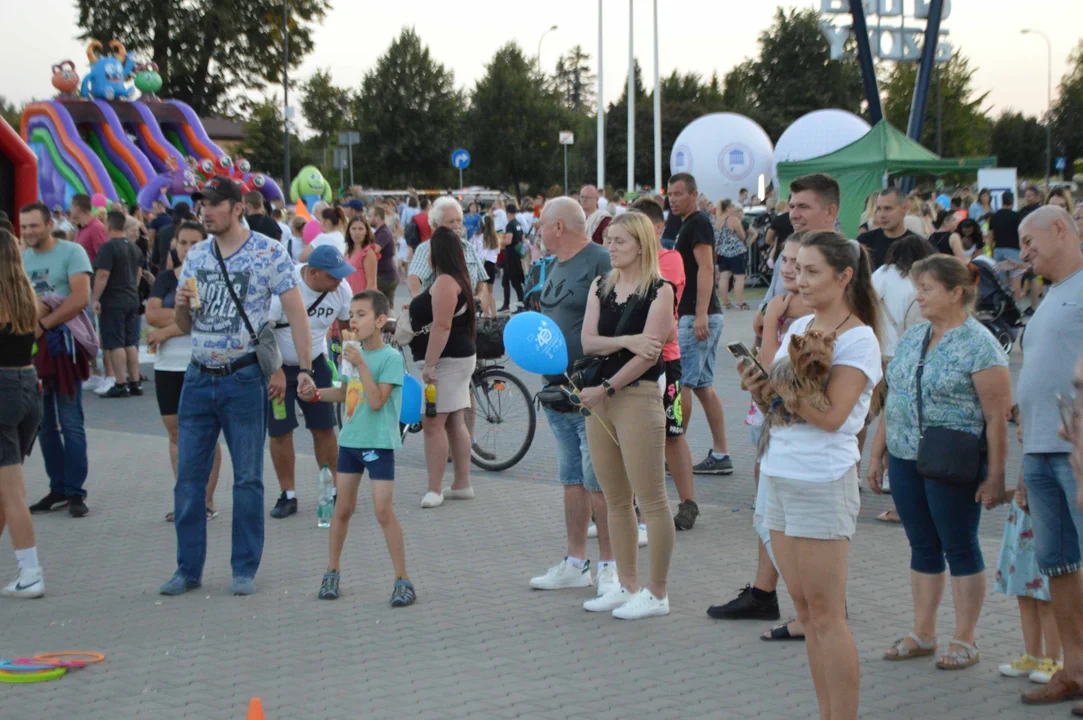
x: 302, y: 210
x: 255, y: 710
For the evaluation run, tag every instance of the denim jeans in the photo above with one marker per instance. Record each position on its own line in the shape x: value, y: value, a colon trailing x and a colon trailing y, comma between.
x: 576, y: 467
x: 698, y: 356
x: 235, y: 405
x: 63, y: 443
x: 1057, y: 519
x: 940, y: 521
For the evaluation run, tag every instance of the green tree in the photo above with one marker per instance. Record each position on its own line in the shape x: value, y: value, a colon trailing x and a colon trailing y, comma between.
x: 965, y: 126
x: 616, y: 135
x: 1019, y: 141
x: 326, y: 107
x: 793, y: 75
x: 574, y: 81
x: 408, y: 112
x: 206, y: 49
x: 1068, y: 112
x: 9, y: 112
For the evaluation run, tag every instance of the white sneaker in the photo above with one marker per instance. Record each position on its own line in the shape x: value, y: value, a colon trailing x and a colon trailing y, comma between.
x: 563, y: 575
x: 607, y: 580
x: 592, y: 531
x: 464, y: 494
x: 27, y: 584
x: 608, y: 602
x: 642, y: 536
x: 105, y: 385
x: 642, y: 605
x: 93, y: 383
x: 432, y: 500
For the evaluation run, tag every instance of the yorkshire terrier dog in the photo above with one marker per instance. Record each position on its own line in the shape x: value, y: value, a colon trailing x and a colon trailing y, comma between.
x: 800, y: 375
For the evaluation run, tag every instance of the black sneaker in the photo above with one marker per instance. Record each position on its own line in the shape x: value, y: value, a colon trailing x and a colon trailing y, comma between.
x: 52, y: 501
x: 687, y: 512
x: 117, y: 391
x: 77, y: 506
x: 746, y: 607
x: 134, y: 389
x: 284, y: 507
x: 713, y: 466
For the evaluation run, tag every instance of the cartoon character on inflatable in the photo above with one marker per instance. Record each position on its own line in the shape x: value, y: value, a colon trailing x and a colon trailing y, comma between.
x: 108, y: 74
x: 310, y: 186
x: 147, y: 80
x: 65, y: 78
x: 178, y: 182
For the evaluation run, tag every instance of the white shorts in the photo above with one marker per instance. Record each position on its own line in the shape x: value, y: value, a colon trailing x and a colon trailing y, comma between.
x: 814, y: 510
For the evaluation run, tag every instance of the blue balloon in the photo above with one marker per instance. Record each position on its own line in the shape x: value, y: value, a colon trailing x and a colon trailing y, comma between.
x: 536, y: 344
x: 411, y: 401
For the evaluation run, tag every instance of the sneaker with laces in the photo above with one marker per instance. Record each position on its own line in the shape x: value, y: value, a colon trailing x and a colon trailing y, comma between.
x: 608, y: 602
x: 116, y: 391
x: 746, y: 606
x: 1022, y: 666
x: 592, y: 531
x: 607, y: 579
x: 135, y: 389
x: 284, y: 507
x: 243, y: 585
x: 642, y: 605
x: 77, y: 506
x: 329, y: 586
x: 714, y: 466
x: 403, y: 594
x: 1045, y: 671
x: 563, y: 575
x: 687, y: 512
x: 29, y: 583
x: 52, y: 501
x: 105, y: 385
x: 178, y: 585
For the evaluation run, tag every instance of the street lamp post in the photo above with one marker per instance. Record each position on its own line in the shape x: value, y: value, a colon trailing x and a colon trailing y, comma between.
x: 538, y: 56
x: 1048, y: 105
x: 286, y: 92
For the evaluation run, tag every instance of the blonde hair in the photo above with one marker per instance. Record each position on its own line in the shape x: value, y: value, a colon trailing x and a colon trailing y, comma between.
x: 640, y: 228
x: 1064, y: 194
x: 18, y: 302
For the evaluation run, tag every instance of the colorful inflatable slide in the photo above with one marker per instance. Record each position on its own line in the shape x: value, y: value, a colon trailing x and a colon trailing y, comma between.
x: 18, y: 172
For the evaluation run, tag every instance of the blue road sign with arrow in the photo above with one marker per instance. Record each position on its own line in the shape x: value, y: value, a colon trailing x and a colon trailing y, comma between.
x: 460, y: 159
x: 1061, y: 163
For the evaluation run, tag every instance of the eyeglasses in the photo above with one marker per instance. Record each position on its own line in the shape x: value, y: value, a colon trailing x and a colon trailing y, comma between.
x: 1069, y: 411
x: 573, y: 397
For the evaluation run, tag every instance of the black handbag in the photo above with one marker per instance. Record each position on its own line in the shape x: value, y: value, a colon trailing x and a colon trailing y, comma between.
x: 949, y: 457
x: 587, y: 371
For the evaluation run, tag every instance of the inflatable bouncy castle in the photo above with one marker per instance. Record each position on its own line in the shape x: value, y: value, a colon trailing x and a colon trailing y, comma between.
x: 18, y: 172
x: 120, y: 140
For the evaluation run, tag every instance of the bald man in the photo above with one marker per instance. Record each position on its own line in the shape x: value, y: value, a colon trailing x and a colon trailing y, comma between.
x: 597, y: 218
x: 563, y: 229
x: 1049, y: 244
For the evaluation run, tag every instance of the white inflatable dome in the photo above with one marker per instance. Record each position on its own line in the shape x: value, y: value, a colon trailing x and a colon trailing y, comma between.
x: 724, y: 152
x: 818, y: 133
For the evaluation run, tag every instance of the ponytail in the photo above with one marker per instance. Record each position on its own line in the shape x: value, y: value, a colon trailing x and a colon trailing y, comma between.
x: 841, y: 253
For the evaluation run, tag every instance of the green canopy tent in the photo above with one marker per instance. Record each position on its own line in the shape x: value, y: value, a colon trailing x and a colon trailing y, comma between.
x: 862, y: 166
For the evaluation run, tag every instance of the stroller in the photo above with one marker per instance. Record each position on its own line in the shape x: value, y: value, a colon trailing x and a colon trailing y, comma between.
x: 996, y: 308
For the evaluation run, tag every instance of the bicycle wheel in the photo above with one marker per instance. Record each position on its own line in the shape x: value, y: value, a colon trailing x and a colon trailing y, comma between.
x: 504, y: 419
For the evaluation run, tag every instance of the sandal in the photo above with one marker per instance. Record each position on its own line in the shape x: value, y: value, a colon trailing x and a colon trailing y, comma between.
x: 959, y: 659
x: 889, y: 516
x: 781, y: 632
x: 743, y: 306
x: 922, y: 648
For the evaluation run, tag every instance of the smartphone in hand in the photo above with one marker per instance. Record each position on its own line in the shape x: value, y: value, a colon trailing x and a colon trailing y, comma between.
x: 739, y: 351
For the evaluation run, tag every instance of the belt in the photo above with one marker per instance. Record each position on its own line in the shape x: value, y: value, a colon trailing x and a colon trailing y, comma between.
x: 224, y: 370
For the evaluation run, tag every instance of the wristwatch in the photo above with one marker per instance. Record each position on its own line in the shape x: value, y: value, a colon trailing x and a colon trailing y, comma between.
x: 308, y: 371
x: 610, y: 391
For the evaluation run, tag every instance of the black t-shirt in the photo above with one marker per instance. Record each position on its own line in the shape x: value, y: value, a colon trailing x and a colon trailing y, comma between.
x: 878, y: 242
x: 386, y: 270
x: 160, y: 221
x: 783, y: 229
x: 123, y: 260
x: 1004, y: 224
x: 695, y: 230
x: 672, y: 227
x: 265, y: 226
x: 165, y: 288
x: 516, y: 231
x: 941, y: 240
x: 609, y: 315
x: 162, y: 239
x: 1026, y: 210
x: 460, y: 341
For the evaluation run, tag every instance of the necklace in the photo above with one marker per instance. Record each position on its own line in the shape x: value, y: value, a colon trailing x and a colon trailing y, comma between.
x: 844, y: 321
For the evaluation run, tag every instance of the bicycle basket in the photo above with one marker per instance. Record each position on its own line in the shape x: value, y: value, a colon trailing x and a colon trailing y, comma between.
x: 490, y: 338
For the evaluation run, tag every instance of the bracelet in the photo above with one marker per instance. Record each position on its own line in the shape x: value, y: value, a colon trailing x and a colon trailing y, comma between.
x: 307, y: 371
x: 42, y: 326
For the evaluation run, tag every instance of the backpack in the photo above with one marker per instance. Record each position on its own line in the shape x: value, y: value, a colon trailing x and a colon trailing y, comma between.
x: 535, y: 282
x: 412, y: 234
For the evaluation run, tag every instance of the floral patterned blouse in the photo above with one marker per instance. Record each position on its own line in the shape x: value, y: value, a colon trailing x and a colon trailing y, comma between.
x: 728, y: 244
x: 948, y: 396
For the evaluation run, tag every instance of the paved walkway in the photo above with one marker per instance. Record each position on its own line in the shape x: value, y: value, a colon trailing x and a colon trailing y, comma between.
x: 479, y: 643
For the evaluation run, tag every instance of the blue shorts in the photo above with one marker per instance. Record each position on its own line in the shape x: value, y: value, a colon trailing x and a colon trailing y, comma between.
x: 736, y: 264
x: 576, y: 467
x: 1057, y: 519
x: 697, y: 358
x: 318, y: 415
x: 379, y: 463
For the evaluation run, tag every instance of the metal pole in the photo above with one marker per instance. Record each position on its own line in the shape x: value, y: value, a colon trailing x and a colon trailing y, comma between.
x: 657, y: 109
x: 864, y: 56
x: 601, y: 109
x: 460, y: 178
x: 286, y: 92
x: 939, y: 115
x: 921, y: 85
x: 349, y: 147
x: 565, y: 169
x: 630, y: 186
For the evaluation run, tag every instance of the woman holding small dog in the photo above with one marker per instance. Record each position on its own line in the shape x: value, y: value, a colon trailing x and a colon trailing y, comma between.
x: 948, y: 374
x: 810, y: 465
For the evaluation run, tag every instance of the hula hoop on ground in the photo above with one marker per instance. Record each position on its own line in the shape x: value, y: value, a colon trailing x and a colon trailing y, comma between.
x: 25, y: 665
x: 79, y: 658
x: 32, y: 677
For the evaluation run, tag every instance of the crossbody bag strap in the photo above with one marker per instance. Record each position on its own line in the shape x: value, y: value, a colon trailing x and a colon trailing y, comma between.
x: 313, y: 306
x: 920, y: 372
x: 425, y: 330
x: 233, y: 294
x: 626, y: 314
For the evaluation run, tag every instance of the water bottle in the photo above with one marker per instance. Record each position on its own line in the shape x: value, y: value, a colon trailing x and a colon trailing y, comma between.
x: 430, y: 400
x: 326, y: 506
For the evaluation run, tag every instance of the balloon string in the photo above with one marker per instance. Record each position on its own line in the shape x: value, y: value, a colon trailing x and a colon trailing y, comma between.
x: 592, y: 412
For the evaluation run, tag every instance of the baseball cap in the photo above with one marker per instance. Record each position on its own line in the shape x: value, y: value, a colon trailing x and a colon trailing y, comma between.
x: 330, y: 260
x: 355, y: 204
x: 217, y: 189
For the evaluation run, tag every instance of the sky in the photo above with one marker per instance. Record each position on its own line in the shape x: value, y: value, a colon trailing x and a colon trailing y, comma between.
x: 700, y: 36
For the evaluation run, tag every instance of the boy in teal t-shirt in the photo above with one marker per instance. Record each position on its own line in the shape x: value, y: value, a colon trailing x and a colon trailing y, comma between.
x: 372, y: 392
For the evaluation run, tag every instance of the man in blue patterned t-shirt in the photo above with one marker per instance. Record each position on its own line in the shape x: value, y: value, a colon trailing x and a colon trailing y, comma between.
x: 224, y: 388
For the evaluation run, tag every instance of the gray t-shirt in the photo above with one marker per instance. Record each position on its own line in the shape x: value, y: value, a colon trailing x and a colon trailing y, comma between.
x: 564, y: 297
x: 1052, y: 343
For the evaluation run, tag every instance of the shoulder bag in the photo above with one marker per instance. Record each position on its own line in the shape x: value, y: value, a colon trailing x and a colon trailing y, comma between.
x: 587, y: 371
x: 265, y: 346
x: 404, y: 332
x: 950, y: 457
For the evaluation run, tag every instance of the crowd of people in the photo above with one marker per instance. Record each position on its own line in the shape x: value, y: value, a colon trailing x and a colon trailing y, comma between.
x: 242, y: 310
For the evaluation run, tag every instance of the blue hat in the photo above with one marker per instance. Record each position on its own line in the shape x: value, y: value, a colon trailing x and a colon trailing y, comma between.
x: 331, y: 261
x: 355, y: 204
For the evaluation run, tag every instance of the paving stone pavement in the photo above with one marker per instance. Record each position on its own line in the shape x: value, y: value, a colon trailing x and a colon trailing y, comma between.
x: 479, y: 643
